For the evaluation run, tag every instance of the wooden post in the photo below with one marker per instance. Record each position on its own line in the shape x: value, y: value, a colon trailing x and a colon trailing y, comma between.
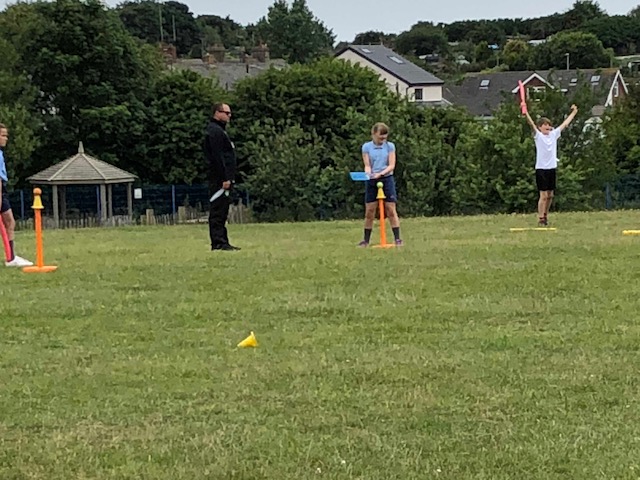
x: 182, y: 214
x: 109, y: 201
x: 103, y: 203
x: 150, y: 217
x: 130, y: 199
x: 63, y: 203
x: 56, y: 208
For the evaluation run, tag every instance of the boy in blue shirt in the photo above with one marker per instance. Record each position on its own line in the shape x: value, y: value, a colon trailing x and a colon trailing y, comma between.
x: 379, y: 157
x: 5, y: 208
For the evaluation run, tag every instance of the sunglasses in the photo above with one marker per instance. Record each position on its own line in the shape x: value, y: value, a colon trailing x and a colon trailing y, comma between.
x: 224, y: 111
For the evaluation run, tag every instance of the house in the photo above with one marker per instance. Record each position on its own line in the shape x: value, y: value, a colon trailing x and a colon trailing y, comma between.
x: 482, y: 93
x: 400, y: 75
x: 229, y: 66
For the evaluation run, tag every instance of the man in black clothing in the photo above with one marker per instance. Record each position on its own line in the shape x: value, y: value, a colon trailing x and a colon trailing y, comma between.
x: 220, y: 154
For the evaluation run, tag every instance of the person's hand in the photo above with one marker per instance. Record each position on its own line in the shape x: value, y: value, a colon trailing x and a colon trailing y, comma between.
x: 375, y: 176
x: 226, y: 185
x: 574, y: 108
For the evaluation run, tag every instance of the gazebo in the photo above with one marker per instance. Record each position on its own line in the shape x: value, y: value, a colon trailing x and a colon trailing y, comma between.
x: 83, y: 169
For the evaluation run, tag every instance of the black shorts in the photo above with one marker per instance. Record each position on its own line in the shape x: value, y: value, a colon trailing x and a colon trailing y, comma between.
x: 388, y: 187
x: 546, y: 179
x: 5, y: 199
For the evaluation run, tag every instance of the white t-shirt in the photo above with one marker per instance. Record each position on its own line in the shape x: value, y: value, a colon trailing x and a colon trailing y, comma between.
x: 547, y: 149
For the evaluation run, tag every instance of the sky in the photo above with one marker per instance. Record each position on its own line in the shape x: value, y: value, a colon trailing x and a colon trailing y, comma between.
x: 349, y: 17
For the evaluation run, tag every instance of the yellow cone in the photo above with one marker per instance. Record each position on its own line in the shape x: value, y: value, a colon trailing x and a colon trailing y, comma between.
x: 250, y: 341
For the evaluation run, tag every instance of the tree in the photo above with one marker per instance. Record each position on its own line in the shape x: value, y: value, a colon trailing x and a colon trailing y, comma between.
x: 516, y: 55
x: 622, y: 130
x: 293, y: 33
x: 584, y: 49
x: 374, y: 38
x: 91, y: 75
x: 302, y: 117
x: 486, y: 31
x: 226, y: 31
x: 423, y: 38
x: 17, y: 97
x: 316, y: 96
x: 482, y: 53
x: 178, y: 110
x: 543, y: 27
x: 582, y: 12
x: 154, y: 22
x: 457, y: 31
x: 619, y: 32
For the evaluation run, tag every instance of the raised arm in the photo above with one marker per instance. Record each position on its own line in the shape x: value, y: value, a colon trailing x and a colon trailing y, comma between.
x: 531, y: 123
x: 569, y: 119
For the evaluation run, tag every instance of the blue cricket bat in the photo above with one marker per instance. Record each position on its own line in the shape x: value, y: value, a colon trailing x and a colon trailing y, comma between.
x: 359, y: 176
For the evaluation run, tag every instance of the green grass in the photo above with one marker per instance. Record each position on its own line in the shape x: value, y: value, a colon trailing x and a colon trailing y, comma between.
x: 471, y: 353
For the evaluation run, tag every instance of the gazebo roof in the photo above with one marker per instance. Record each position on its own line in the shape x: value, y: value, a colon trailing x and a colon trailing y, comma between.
x: 82, y: 169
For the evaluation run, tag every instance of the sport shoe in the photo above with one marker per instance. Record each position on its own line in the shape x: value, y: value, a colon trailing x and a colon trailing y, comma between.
x: 363, y: 244
x: 399, y: 243
x: 18, y: 262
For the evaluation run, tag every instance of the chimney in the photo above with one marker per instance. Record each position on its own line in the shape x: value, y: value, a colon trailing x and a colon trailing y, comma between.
x: 169, y: 52
x: 217, y: 52
x: 260, y: 53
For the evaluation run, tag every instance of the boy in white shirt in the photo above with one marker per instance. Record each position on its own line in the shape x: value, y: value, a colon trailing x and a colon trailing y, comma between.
x: 546, y: 138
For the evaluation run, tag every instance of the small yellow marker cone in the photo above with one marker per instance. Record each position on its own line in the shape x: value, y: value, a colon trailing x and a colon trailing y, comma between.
x: 250, y: 341
x: 631, y: 232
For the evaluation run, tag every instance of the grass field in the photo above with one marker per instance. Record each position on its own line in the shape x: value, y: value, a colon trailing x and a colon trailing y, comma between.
x: 471, y: 353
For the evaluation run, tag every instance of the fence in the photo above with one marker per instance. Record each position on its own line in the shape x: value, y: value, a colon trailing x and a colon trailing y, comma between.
x: 175, y: 204
x: 152, y: 205
x: 624, y: 193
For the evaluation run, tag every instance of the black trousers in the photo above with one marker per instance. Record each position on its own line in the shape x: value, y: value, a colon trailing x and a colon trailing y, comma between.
x: 218, y: 214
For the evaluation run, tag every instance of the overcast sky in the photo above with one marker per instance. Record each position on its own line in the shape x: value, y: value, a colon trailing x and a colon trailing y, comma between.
x: 348, y: 17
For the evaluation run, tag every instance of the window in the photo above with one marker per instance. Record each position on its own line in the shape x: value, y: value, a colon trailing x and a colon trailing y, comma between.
x: 484, y: 83
x: 418, y: 94
x: 366, y: 50
x: 573, y: 82
x: 396, y: 59
x: 616, y: 89
x: 595, y: 78
x: 536, y: 93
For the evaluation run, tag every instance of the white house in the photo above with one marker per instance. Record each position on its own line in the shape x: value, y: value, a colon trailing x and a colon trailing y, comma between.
x: 400, y: 75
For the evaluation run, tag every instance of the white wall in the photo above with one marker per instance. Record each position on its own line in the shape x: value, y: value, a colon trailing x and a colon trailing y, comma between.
x: 391, y: 81
x: 431, y: 93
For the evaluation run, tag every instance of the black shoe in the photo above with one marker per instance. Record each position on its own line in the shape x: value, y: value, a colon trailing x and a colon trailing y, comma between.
x: 224, y: 247
x: 234, y: 248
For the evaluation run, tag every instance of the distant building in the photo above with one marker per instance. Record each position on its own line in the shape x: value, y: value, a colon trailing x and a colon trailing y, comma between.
x: 229, y: 66
x: 400, y: 75
x: 482, y: 93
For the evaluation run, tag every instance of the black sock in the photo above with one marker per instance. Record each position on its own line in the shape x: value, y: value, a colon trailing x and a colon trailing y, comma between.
x: 367, y: 234
x: 396, y: 232
x: 13, y: 254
